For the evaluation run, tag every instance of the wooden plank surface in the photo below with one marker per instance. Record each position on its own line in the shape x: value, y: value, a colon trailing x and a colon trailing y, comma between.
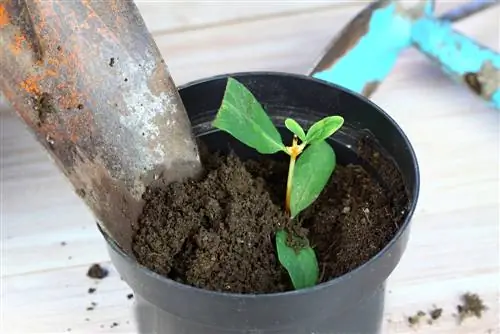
x: 455, y: 237
x: 174, y: 16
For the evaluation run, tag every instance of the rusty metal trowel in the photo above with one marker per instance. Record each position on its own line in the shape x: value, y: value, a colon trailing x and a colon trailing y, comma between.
x: 90, y: 83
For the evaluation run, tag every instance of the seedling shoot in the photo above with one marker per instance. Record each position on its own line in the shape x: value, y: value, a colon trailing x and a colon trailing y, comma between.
x: 312, y: 161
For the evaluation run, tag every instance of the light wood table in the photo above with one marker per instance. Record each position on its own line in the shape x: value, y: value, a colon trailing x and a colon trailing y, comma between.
x: 454, y: 246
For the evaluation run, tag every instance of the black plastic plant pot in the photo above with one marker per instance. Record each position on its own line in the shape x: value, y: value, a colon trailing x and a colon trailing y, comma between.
x: 352, y: 303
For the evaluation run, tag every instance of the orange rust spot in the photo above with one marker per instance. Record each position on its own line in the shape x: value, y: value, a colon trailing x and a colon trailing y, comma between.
x: 51, y: 73
x: 73, y: 136
x: 30, y: 85
x: 87, y: 3
x: 114, y: 8
x: 91, y: 14
x: 70, y: 97
x: 17, y: 44
x: 53, y: 61
x: 61, y: 86
x: 4, y: 17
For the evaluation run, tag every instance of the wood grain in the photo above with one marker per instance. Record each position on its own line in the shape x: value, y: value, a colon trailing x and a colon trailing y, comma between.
x: 455, y: 235
x: 177, y: 16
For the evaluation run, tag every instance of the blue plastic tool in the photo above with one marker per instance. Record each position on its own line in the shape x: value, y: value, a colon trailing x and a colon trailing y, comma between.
x: 366, y: 50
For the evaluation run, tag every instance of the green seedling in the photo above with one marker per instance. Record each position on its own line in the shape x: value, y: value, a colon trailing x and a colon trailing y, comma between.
x: 312, y: 161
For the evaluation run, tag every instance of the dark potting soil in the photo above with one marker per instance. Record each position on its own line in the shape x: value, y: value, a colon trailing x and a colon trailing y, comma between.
x: 217, y: 233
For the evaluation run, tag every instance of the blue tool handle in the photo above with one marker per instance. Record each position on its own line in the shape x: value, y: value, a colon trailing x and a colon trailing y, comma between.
x: 366, y: 50
x: 462, y: 58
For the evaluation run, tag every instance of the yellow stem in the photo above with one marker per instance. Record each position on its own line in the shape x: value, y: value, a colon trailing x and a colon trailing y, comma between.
x: 294, y: 151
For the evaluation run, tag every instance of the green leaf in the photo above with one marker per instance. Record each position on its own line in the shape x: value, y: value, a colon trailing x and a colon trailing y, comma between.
x: 242, y: 116
x: 324, y: 128
x: 302, y: 266
x: 295, y: 127
x: 312, y: 172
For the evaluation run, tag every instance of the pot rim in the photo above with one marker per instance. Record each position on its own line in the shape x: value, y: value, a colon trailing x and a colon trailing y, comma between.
x: 319, y: 287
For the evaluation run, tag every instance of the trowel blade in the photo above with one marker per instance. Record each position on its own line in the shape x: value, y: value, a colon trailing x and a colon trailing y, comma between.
x: 90, y: 83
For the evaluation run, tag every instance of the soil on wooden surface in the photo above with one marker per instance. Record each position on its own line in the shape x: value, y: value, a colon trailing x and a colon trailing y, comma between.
x: 433, y: 315
x: 217, y: 233
x: 96, y: 271
x: 436, y: 313
x: 415, y: 319
x: 472, y: 306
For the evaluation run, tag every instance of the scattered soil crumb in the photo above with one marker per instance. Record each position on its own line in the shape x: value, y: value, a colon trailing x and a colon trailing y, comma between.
x: 68, y: 330
x: 91, y: 290
x: 130, y: 296
x: 112, y: 62
x: 472, y: 305
x: 70, y: 257
x: 415, y: 319
x: 92, y: 306
x: 114, y: 324
x: 102, y: 326
x: 63, y: 243
x: 80, y: 106
x: 436, y: 313
x: 96, y: 271
x: 87, y: 319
